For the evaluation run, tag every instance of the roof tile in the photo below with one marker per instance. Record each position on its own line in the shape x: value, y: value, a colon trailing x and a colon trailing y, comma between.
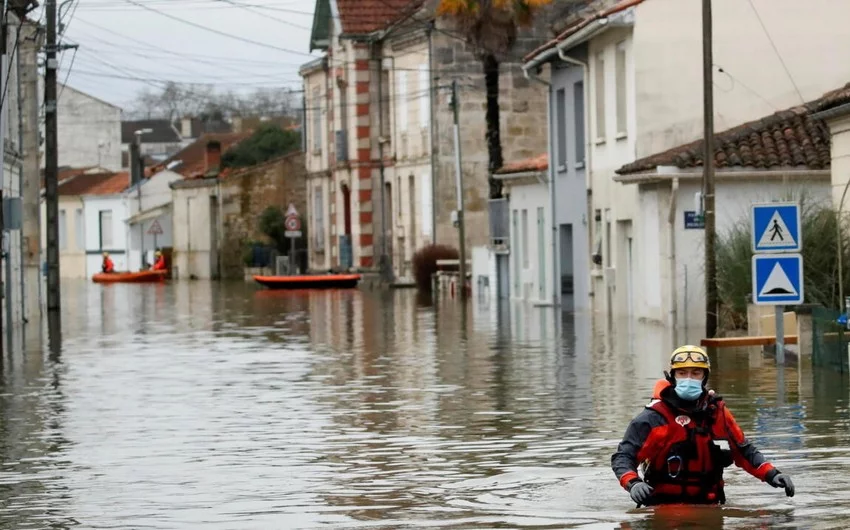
x: 537, y: 163
x: 82, y: 184
x: 117, y: 183
x: 366, y: 16
x: 193, y: 156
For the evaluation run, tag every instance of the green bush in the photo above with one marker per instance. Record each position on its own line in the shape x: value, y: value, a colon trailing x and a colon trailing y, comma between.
x: 267, y: 142
x: 820, y: 263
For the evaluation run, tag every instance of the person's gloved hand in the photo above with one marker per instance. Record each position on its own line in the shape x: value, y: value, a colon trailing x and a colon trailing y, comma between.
x: 783, y: 481
x: 640, y: 491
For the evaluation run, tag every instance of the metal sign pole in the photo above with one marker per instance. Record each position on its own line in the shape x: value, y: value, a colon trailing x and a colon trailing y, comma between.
x: 780, y: 334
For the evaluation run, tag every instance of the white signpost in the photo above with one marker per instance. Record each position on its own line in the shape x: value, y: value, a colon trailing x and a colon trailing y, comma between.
x: 777, y: 267
x: 292, y: 224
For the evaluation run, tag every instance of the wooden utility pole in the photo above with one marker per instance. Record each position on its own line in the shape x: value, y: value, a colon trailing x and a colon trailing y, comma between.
x: 708, y: 174
x: 51, y: 162
x: 461, y: 228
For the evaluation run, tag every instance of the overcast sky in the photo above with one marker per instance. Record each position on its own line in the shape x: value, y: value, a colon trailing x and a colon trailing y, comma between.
x: 120, y: 40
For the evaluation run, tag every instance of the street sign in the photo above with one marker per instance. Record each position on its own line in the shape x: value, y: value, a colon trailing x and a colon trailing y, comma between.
x: 776, y: 227
x: 693, y: 221
x: 777, y: 279
x: 155, y: 229
x: 292, y: 233
x: 291, y: 211
x: 292, y: 223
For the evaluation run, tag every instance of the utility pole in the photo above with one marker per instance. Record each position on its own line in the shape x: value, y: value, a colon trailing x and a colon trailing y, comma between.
x: 461, y: 229
x: 51, y: 163
x: 708, y: 174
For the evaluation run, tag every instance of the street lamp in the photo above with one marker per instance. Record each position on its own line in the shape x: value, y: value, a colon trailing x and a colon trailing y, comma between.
x: 137, y: 167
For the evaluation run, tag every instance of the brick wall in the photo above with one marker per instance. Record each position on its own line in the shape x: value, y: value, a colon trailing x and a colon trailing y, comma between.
x: 247, y: 193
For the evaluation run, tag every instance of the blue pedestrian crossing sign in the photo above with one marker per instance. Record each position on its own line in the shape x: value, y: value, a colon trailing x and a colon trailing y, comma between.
x: 777, y: 279
x: 776, y: 227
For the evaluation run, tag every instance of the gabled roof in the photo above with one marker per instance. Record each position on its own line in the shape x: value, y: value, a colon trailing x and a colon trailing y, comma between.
x: 587, y: 17
x: 163, y: 131
x: 361, y: 17
x: 83, y: 183
x: 192, y: 158
x: 115, y: 184
x: 790, y: 139
x: 537, y: 163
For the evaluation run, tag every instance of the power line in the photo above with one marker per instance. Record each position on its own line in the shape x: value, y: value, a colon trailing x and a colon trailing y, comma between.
x: 776, y: 50
x: 217, y: 32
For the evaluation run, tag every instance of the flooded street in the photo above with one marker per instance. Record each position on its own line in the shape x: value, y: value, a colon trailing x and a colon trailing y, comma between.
x: 200, y: 405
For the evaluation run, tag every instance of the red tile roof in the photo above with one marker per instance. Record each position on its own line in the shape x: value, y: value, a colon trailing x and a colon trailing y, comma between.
x: 791, y: 138
x: 117, y: 183
x: 588, y: 18
x: 82, y: 184
x: 366, y: 16
x: 193, y: 156
x: 537, y: 163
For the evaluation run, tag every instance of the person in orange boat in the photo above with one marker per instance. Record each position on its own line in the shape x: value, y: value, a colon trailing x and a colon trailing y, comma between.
x: 159, y: 264
x: 673, y: 439
x: 107, y: 266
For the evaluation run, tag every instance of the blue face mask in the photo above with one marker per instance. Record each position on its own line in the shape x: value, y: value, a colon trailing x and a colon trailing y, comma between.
x: 689, y: 389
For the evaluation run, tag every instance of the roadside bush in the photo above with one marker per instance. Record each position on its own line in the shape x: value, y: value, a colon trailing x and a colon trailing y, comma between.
x: 820, y: 258
x: 425, y: 264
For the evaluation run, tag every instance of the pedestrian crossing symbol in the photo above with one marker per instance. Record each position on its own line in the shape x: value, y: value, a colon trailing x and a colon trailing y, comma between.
x: 776, y: 227
x: 778, y: 279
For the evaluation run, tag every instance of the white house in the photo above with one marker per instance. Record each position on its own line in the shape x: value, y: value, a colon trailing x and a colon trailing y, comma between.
x: 90, y: 130
x: 149, y: 220
x: 104, y: 211
x: 640, y: 65
x: 783, y: 156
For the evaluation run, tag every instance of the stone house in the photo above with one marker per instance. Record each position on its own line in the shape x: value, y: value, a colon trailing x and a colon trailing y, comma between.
x: 380, y: 152
x: 90, y: 133
x: 215, y: 215
x: 622, y: 52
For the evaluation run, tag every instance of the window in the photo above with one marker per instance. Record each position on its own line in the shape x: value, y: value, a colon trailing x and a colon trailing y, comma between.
x: 399, y: 199
x: 401, y: 99
x: 385, y: 106
x: 515, y: 249
x: 79, y: 231
x: 426, y: 206
x: 106, y: 229
x: 317, y: 119
x: 599, y: 68
x: 561, y: 124
x: 425, y: 98
x: 578, y: 101
x: 63, y: 231
x: 622, y: 108
x: 525, y: 239
x: 318, y: 219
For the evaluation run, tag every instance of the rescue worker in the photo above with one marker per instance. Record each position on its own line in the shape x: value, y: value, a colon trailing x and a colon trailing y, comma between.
x: 107, y: 265
x: 159, y: 264
x: 673, y: 440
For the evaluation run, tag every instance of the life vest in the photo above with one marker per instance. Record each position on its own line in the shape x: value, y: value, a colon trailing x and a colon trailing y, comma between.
x: 682, y: 462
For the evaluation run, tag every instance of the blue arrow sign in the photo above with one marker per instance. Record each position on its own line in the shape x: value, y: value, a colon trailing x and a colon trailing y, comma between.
x: 777, y: 279
x: 776, y: 227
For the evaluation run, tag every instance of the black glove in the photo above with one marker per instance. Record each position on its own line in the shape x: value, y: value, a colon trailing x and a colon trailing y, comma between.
x: 640, y: 491
x: 783, y: 481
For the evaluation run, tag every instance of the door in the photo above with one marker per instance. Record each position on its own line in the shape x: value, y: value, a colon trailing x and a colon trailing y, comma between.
x: 567, y: 267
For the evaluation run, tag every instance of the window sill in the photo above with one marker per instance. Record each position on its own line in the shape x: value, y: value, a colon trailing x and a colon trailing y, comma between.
x: 599, y: 141
x: 579, y: 165
x: 621, y: 136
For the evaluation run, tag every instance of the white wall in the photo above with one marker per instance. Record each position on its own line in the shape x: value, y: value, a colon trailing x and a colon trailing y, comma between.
x: 192, y: 233
x: 89, y: 132
x: 155, y: 193
x: 93, y: 205
x: 484, y: 282
x: 530, y: 197
x: 733, y: 200
x: 668, y: 54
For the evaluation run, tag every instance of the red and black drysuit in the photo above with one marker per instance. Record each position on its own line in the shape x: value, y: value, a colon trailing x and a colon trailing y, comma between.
x: 675, y: 438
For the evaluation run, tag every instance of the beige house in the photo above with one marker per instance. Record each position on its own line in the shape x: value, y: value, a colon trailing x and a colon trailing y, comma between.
x: 379, y: 145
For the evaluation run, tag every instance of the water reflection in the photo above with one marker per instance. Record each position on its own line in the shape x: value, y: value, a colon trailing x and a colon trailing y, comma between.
x: 197, y: 404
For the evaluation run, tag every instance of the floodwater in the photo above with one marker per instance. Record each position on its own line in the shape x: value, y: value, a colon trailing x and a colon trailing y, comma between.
x: 200, y: 405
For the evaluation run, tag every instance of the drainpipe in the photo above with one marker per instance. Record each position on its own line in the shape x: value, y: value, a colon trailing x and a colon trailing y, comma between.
x: 433, y: 127
x: 674, y: 295
x: 588, y: 148
x: 550, y: 173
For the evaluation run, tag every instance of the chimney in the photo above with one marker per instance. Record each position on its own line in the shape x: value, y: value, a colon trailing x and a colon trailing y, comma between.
x: 186, y: 128
x: 213, y: 156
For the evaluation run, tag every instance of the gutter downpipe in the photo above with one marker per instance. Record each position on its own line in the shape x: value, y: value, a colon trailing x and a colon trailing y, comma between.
x: 674, y: 294
x: 553, y: 243
x: 432, y: 116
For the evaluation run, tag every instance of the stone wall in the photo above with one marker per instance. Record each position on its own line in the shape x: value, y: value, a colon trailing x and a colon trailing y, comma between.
x: 246, y: 193
x: 523, y: 123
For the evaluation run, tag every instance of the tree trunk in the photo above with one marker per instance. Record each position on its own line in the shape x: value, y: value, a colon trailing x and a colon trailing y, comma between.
x: 494, y: 139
